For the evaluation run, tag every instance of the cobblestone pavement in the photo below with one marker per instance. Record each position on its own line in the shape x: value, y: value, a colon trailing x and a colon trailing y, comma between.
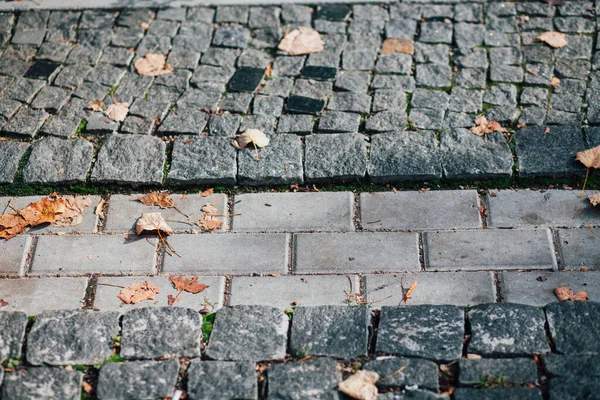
x: 346, y: 113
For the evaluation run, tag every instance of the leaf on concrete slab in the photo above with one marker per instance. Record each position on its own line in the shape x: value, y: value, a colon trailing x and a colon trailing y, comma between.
x: 153, y: 65
x: 360, y: 386
x: 74, y: 208
x: 209, y: 209
x: 207, y: 192
x: 117, y: 111
x: 138, y: 292
x: 209, y: 223
x: 152, y: 223
x: 554, y: 39
x: 190, y: 285
x: 390, y: 46
x: 483, y: 126
x: 564, y: 293
x: 3, y: 303
x: 594, y: 199
x: 161, y: 199
x: 406, y: 293
x: 303, y: 40
x: 590, y: 158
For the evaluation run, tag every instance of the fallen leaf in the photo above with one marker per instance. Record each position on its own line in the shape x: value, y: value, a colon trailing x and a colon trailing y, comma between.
x: 172, y: 300
x: 188, y: 285
x: 594, y: 199
x: 390, y: 46
x: 153, y: 65
x: 254, y: 136
x: 269, y: 70
x: 3, y: 303
x: 207, y: 192
x: 554, y: 39
x: 406, y: 294
x: 74, y: 207
x: 152, y: 223
x: 590, y: 158
x: 100, y: 208
x: 95, y: 105
x: 161, y: 199
x: 360, y: 386
x: 303, y: 40
x: 209, y: 223
x: 86, y: 387
x: 117, y: 111
x: 547, y: 130
x: 555, y: 82
x: 471, y: 356
x: 483, y: 126
x: 145, y: 26
x: 209, y: 209
x: 137, y: 292
x: 565, y: 293
x: 47, y: 210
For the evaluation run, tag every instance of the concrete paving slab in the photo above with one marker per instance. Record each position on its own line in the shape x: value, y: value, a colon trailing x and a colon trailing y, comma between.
x: 14, y: 254
x: 578, y: 248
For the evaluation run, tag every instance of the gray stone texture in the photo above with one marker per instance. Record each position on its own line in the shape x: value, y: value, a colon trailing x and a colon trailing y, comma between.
x: 248, y: 333
x: 33, y: 296
x: 72, y: 337
x: 10, y: 156
x: 213, y: 379
x: 323, y: 165
x: 316, y: 378
x: 512, y: 393
x: 13, y: 326
x: 422, y: 373
x: 511, y: 371
x: 574, y: 327
x: 318, y: 330
x: 36, y: 383
x: 162, y: 332
x: 279, y: 163
x: 577, y: 248
x: 432, y: 332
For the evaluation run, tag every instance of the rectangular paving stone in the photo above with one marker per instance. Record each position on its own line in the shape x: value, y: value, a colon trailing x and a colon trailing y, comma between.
x: 529, y: 208
x: 537, y: 288
x: 455, y: 288
x: 13, y: 325
x: 347, y: 163
x: 356, y: 252
x: 215, y: 379
x: 33, y: 296
x: 14, y: 254
x: 316, y: 378
x: 293, y: 212
x: 422, y: 373
x: 282, y: 291
x: 105, y: 298
x: 241, y: 254
x: 512, y: 371
x: 10, y: 156
x: 124, y: 211
x: 578, y: 248
x: 116, y: 254
x: 574, y: 327
x: 489, y: 249
x: 521, y: 393
x: 440, y: 209
x: 35, y: 383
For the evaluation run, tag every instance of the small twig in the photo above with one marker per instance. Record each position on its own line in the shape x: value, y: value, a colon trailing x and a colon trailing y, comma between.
x: 181, y: 212
x: 179, y: 222
x: 111, y: 285
x: 402, y: 368
x: 587, y: 172
x: 256, y: 150
x: 579, y: 213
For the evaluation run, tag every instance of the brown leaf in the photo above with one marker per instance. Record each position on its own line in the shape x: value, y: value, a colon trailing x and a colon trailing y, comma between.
x: 555, y: 82
x: 117, y: 111
x: 161, y: 199
x: 172, y: 300
x: 188, y: 285
x: 390, y: 46
x: 590, y: 158
x: 152, y: 223
x: 360, y: 386
x: 153, y: 65
x: 99, y: 211
x: 207, y: 192
x: 209, y: 223
x: 303, y: 40
x: 86, y: 387
x: 3, y: 303
x: 554, y: 39
x: 594, y: 199
x: 565, y: 293
x: 74, y: 207
x: 95, y: 105
x: 209, y: 209
x: 406, y: 294
x: 483, y: 126
x: 137, y: 292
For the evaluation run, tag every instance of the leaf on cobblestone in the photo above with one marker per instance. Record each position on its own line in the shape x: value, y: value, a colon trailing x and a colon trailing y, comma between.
x: 95, y: 105
x: 483, y: 126
x: 137, y: 292
x: 153, y: 65
x: 555, y: 82
x: 161, y: 199
x: 117, y: 111
x: 591, y: 159
x: 251, y: 136
x: 207, y: 192
x: 360, y: 386
x: 554, y: 39
x: 594, y: 199
x: 152, y: 223
x: 390, y: 46
x: 564, y: 293
x: 190, y: 285
x: 303, y: 40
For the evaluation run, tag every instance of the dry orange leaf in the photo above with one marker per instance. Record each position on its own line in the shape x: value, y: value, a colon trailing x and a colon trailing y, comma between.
x: 303, y: 40
x: 47, y: 210
x: 74, y: 207
x: 95, y: 105
x: 100, y: 208
x: 172, y: 300
x: 555, y: 82
x: 117, y: 111
x: 207, y: 192
x: 565, y: 293
x: 3, y: 303
x: 594, y: 199
x: 137, y: 292
x: 209, y: 223
x: 361, y: 385
x: 161, y: 199
x: 483, y: 126
x: 187, y: 285
x: 590, y: 158
x: 406, y: 293
x: 152, y: 223
x: 153, y: 65
x: 209, y: 209
x: 554, y: 39
x: 398, y: 46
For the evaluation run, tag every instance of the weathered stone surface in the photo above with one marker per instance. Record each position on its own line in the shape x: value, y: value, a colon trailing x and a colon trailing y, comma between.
x: 422, y: 373
x: 433, y: 332
x: 279, y: 163
x: 54, y: 160
x: 512, y: 371
x: 514, y: 393
x: 203, y: 161
x: 213, y: 379
x: 142, y: 379
x: 10, y: 156
x: 316, y: 378
x: 507, y: 329
x: 72, y: 337
x: 574, y: 327
x: 12, y: 325
x: 161, y: 332
x: 33, y: 296
x: 293, y: 212
x: 130, y: 159
x: 571, y: 365
x: 456, y: 288
x: 577, y: 248
x: 323, y: 165
x: 404, y: 156
x: 574, y: 387
x: 317, y: 330
x: 489, y: 249
x: 467, y: 156
x: 248, y: 333
x: 36, y: 383
x: 26, y: 122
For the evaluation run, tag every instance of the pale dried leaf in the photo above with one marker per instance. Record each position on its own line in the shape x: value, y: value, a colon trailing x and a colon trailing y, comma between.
x: 594, y: 199
x: 117, y: 111
x: 483, y: 126
x: 153, y: 65
x: 99, y: 211
x: 190, y: 285
x: 564, y: 293
x: 210, y: 209
x: 74, y: 208
x: 360, y: 386
x: 207, y: 192
x: 152, y: 223
x: 137, y: 292
x: 554, y: 39
x: 209, y: 223
x: 590, y: 158
x: 555, y: 82
x: 255, y: 136
x: 390, y: 46
x: 161, y: 199
x: 95, y: 105
x: 303, y: 40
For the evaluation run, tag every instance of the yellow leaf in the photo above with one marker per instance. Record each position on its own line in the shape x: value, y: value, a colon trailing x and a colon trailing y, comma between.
x: 95, y: 105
